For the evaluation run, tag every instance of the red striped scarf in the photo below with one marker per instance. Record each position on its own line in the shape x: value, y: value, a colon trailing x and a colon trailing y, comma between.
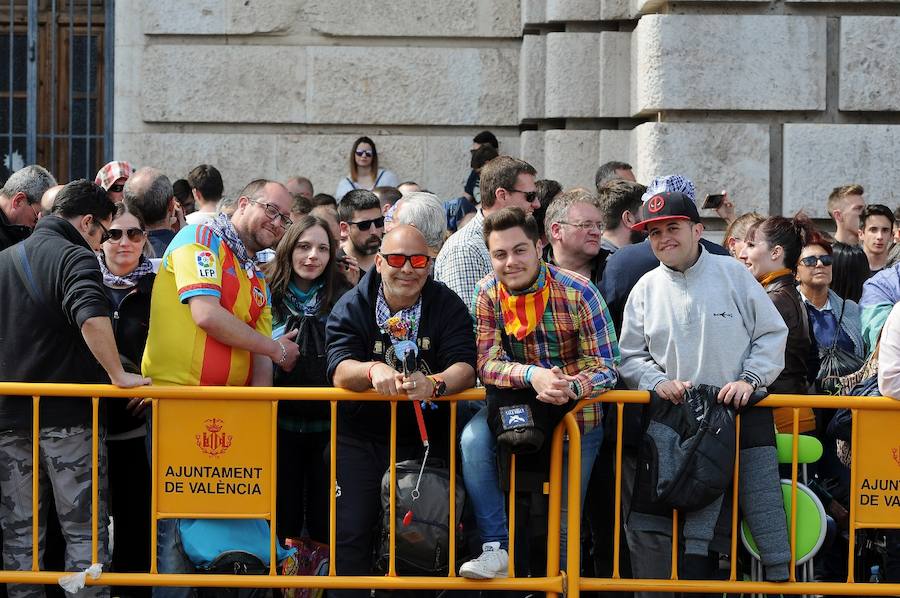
x: 523, y: 311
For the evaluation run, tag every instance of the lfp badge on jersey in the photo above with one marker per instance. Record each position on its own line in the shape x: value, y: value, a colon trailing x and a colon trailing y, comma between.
x: 206, y: 264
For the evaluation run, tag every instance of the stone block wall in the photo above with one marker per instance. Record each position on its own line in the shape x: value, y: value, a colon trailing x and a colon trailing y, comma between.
x: 776, y: 102
x: 283, y: 87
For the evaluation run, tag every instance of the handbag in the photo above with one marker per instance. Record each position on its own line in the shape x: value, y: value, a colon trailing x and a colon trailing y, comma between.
x: 311, y: 558
x: 834, y: 363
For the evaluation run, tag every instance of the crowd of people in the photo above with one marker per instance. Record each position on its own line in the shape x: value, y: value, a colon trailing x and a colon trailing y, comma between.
x: 542, y: 294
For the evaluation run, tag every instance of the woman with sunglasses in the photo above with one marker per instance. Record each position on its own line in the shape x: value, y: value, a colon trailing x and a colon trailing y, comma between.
x: 364, y: 170
x: 771, y: 252
x: 305, y: 284
x: 834, y: 320
x: 128, y: 281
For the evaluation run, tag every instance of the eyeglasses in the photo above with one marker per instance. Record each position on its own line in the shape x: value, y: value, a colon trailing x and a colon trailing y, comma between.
x: 366, y: 153
x: 274, y: 213
x: 106, y: 234
x: 397, y: 260
x: 367, y: 224
x: 810, y: 260
x: 115, y: 188
x: 585, y: 226
x: 37, y: 214
x: 134, y: 234
x: 530, y: 196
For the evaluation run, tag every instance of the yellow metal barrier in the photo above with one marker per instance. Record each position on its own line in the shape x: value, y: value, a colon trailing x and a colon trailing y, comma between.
x: 553, y: 583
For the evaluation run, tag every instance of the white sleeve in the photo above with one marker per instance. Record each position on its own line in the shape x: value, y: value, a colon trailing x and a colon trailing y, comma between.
x: 638, y: 369
x: 889, y: 356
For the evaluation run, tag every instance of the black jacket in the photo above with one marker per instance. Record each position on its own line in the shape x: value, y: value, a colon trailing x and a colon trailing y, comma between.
x: 44, y: 344
x: 10, y: 234
x: 793, y: 378
x: 131, y: 322
x: 446, y: 336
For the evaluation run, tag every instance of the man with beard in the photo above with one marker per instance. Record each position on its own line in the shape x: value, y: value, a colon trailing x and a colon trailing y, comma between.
x: 362, y: 225
x: 211, y: 320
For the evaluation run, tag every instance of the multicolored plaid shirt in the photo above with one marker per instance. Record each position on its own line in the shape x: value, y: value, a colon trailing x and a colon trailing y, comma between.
x: 576, y: 334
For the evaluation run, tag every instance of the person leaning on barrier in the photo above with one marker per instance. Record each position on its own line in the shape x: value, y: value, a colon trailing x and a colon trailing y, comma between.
x: 397, y: 301
x: 211, y: 319
x: 700, y: 318
x: 305, y: 284
x: 58, y: 331
x: 543, y: 334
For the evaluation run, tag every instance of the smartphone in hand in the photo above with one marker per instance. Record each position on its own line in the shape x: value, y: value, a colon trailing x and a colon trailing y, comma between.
x: 713, y: 201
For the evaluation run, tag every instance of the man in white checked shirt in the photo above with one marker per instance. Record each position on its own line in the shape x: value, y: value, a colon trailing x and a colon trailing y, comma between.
x: 464, y: 259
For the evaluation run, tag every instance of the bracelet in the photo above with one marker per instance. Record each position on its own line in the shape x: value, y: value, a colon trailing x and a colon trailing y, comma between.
x: 283, y: 353
x: 529, y: 373
x: 369, y: 372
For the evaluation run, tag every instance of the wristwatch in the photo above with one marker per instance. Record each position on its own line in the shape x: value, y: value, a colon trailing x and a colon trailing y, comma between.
x: 439, y: 387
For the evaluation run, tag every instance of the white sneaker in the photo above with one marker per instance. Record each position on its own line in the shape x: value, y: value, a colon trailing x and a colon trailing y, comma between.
x: 493, y: 562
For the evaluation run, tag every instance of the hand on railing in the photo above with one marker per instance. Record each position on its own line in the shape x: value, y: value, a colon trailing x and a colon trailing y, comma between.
x: 737, y: 392
x: 673, y: 390
x: 552, y: 385
x: 126, y: 380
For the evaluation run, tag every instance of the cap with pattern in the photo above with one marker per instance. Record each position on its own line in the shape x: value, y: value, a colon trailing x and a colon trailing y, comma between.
x: 667, y: 206
x: 670, y: 182
x: 112, y: 172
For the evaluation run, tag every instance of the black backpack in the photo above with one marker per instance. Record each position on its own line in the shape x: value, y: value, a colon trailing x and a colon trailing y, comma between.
x: 422, y: 538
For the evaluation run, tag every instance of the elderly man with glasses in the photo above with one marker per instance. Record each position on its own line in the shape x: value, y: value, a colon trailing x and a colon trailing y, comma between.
x: 574, y: 225
x: 401, y: 333
x: 211, y: 318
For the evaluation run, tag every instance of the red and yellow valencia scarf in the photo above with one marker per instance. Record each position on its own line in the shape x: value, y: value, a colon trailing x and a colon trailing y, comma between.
x: 523, y: 310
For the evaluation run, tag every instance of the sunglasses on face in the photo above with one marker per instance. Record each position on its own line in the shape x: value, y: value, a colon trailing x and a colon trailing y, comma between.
x: 810, y: 261
x: 367, y: 224
x: 530, y: 196
x: 397, y: 260
x: 104, y: 237
x: 116, y: 188
x: 366, y: 153
x: 134, y: 234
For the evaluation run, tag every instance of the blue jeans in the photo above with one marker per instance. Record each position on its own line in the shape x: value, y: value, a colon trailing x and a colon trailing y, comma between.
x: 479, y: 465
x: 172, y: 559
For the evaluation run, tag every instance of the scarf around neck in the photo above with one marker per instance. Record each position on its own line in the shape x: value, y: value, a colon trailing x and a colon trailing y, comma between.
x: 223, y: 228
x: 401, y: 326
x: 768, y: 278
x: 143, y: 268
x: 523, y: 310
x: 303, y: 303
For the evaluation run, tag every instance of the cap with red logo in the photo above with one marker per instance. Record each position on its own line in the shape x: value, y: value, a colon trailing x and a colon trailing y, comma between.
x: 667, y: 206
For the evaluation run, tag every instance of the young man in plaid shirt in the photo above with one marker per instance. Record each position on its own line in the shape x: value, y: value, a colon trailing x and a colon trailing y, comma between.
x: 544, y: 336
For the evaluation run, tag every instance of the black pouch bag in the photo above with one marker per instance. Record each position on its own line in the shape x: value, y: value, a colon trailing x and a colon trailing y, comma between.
x: 520, y: 422
x: 235, y: 562
x: 422, y: 532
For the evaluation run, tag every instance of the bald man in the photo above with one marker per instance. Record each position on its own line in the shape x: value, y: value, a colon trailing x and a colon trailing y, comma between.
x: 48, y: 198
x: 366, y: 352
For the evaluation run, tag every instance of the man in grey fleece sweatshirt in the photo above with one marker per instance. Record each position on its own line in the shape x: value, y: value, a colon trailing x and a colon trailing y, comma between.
x: 702, y: 318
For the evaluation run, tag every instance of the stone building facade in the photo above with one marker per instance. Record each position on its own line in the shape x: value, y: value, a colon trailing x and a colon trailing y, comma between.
x: 777, y: 102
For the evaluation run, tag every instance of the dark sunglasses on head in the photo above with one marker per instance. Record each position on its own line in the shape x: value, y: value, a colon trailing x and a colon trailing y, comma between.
x: 810, y: 261
x: 116, y: 188
x: 134, y: 234
x: 397, y: 260
x: 367, y: 224
x: 367, y: 153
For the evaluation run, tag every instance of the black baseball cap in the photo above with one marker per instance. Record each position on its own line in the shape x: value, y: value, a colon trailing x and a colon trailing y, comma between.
x: 667, y: 206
